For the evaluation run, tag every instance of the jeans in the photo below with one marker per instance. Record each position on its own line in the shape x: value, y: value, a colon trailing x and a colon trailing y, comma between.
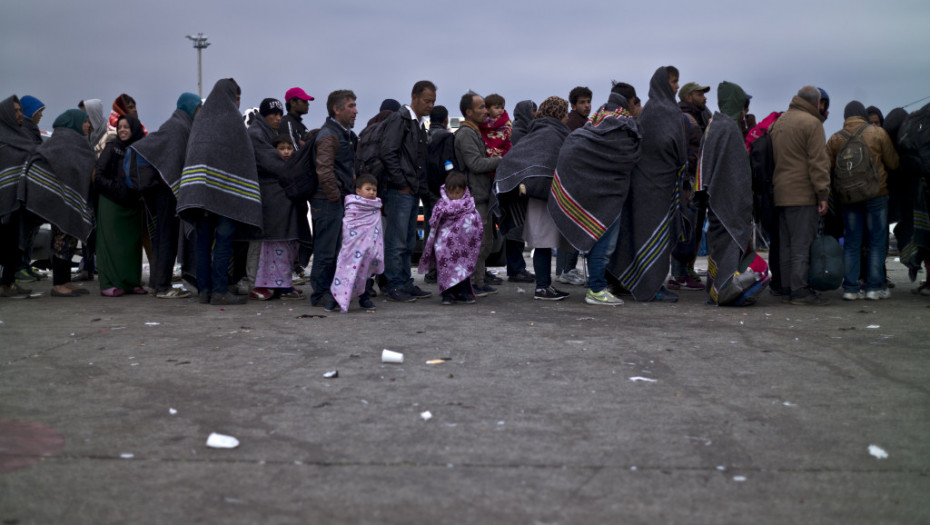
x: 400, y: 237
x: 327, y: 239
x: 599, y: 256
x: 869, y: 218
x: 214, y: 253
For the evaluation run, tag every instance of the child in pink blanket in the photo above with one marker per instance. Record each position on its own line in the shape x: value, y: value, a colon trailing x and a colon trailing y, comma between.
x: 454, y: 241
x: 362, y: 251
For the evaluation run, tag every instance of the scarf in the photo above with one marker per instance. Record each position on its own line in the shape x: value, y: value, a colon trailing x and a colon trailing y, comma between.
x: 723, y: 172
x: 362, y: 251
x: 454, y: 240
x: 496, y: 135
x: 533, y: 161
x: 592, y: 176
x: 15, y: 148
x: 220, y: 173
x: 522, y: 116
x: 653, y: 220
x: 58, y: 178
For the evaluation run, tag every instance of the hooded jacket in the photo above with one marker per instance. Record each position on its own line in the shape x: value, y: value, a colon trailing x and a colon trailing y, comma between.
x: 802, y: 167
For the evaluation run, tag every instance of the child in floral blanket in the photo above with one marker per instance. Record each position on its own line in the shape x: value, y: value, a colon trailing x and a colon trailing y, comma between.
x: 454, y: 241
x: 362, y: 251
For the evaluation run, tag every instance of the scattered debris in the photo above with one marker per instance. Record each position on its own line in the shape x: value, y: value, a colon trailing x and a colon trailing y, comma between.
x: 127, y: 455
x: 721, y: 468
x: 389, y: 356
x: 787, y: 404
x: 222, y: 441
x: 646, y: 379
x: 873, y: 326
x: 439, y: 361
x: 331, y: 374
x: 739, y: 478
x: 172, y: 411
x: 311, y: 316
x: 878, y: 452
x: 426, y: 416
x: 152, y: 323
x: 520, y: 290
x: 585, y: 319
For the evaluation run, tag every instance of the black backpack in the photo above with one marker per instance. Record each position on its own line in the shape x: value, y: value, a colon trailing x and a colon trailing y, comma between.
x: 827, y: 266
x: 298, y: 178
x: 855, y: 178
x: 762, y: 163
x: 441, y: 150
x: 368, y: 153
x: 914, y: 140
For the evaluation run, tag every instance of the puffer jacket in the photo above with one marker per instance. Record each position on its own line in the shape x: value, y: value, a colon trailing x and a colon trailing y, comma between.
x: 802, y: 168
x: 884, y: 156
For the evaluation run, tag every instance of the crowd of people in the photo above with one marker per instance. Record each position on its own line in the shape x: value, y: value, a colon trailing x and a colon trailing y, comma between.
x: 625, y: 187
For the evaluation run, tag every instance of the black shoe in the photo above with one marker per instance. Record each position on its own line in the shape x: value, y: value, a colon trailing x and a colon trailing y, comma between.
x: 418, y: 293
x: 549, y: 294
x: 228, y: 299
x: 484, y: 291
x: 366, y: 304
x: 331, y: 305
x: 447, y: 299
x: 205, y: 297
x: 430, y: 277
x: 370, y: 288
x: 400, y: 296
x: 490, y: 278
x: 465, y: 298
x: 811, y: 299
x: 665, y: 296
x: 522, y: 277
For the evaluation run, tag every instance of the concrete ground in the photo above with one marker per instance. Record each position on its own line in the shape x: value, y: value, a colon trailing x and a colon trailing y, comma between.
x: 545, y: 413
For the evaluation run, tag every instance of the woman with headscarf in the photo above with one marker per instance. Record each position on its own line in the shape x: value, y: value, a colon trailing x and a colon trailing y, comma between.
x: 98, y: 122
x: 529, y: 168
x: 15, y: 148
x: 57, y: 188
x: 119, y: 216
x: 642, y: 260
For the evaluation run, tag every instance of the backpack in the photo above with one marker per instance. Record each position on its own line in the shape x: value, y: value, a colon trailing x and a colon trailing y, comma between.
x: 827, y: 267
x: 855, y: 178
x: 762, y: 164
x: 914, y: 139
x: 438, y: 153
x: 368, y: 153
x: 298, y: 178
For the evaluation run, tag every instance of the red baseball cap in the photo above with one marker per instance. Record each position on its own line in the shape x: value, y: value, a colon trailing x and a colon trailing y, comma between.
x: 296, y: 92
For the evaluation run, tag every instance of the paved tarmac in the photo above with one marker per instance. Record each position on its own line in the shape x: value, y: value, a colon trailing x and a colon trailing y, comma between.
x: 545, y: 413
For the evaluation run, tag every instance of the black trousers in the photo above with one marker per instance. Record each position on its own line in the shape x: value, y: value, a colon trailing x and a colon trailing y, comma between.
x: 162, y: 209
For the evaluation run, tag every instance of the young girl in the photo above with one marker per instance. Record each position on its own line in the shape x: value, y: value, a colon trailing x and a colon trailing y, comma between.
x: 454, y: 241
x: 362, y: 251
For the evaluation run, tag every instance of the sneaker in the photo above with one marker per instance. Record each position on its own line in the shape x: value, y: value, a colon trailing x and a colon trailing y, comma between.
x: 228, y: 299
x: 490, y: 278
x: 465, y: 298
x: 549, y: 294
x: 673, y: 284
x: 484, y: 291
x: 447, y: 299
x: 419, y: 294
x: 572, y: 277
x: 692, y: 273
x: 811, y: 299
x: 174, y: 293
x: 603, y: 298
x: 430, y: 277
x: 25, y: 276
x: 366, y: 304
x: 82, y: 276
x: 331, y: 306
x: 400, y: 296
x: 13, y: 291
x: 885, y: 293
x: 877, y: 295
x: 688, y: 283
x: 261, y: 294
x: 292, y: 294
x: 522, y: 277
x: 665, y: 296
x: 850, y: 296
x: 298, y: 280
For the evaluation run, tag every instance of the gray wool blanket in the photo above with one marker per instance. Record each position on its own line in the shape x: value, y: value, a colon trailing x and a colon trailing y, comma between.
x: 280, y: 217
x: 166, y: 148
x: 58, y: 183
x: 724, y: 172
x: 220, y: 174
x: 592, y: 178
x: 15, y: 148
x: 522, y: 117
x: 652, y: 223
x: 532, y: 162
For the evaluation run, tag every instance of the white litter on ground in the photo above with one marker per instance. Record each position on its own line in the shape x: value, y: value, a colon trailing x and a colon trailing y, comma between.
x: 152, y: 324
x: 739, y: 478
x: 787, y: 404
x: 646, y: 379
x: 873, y: 326
x: 127, y: 455
x: 172, y: 411
x: 878, y: 452
x: 222, y: 441
x: 426, y: 416
x: 721, y: 468
x: 520, y: 290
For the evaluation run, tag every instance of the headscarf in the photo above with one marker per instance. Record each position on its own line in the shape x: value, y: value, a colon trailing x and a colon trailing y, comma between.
x: 15, y: 148
x: 872, y: 110
x: 522, y: 115
x: 731, y: 99
x: 135, y: 128
x: 111, y: 180
x: 11, y: 133
x: 855, y: 109
x: 94, y: 109
x: 189, y: 102
x: 31, y: 105
x: 72, y: 119
x: 555, y: 107
x: 120, y: 104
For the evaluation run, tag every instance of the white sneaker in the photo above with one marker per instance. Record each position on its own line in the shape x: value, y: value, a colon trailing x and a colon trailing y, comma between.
x: 885, y: 293
x: 850, y: 296
x: 572, y: 277
x: 603, y: 298
x: 874, y: 295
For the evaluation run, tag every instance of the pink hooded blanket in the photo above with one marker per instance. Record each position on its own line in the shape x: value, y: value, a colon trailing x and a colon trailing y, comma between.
x: 454, y: 240
x: 362, y: 252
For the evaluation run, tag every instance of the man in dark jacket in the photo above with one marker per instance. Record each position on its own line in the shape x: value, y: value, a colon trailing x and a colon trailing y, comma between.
x: 335, y: 167
x: 298, y: 105
x: 403, y: 153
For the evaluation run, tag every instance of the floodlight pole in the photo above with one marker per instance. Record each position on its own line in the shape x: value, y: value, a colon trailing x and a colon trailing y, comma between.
x: 200, y: 43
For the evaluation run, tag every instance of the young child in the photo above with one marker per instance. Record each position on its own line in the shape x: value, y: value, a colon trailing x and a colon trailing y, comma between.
x: 454, y: 241
x: 497, y: 129
x: 362, y: 251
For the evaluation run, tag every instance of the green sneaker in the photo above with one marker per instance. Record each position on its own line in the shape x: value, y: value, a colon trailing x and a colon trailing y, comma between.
x: 603, y: 297
x: 25, y: 276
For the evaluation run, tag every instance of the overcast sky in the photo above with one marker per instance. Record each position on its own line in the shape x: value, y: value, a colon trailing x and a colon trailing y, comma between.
x: 63, y: 51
